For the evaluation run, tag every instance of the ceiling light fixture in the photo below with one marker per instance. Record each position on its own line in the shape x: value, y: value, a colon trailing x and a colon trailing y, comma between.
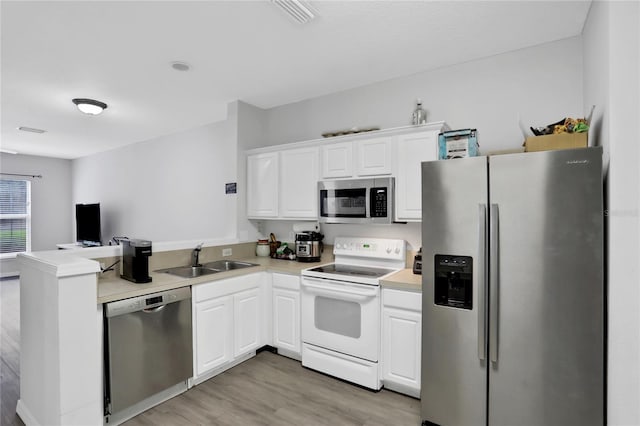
x: 299, y: 10
x: 8, y: 151
x: 31, y: 129
x: 90, y: 106
x: 180, y: 66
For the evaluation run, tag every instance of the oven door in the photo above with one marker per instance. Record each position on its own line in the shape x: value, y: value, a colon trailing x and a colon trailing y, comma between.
x: 341, y: 316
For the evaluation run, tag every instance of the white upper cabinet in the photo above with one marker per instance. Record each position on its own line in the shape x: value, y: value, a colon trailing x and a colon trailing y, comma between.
x: 337, y: 160
x: 283, y: 184
x: 373, y: 156
x: 282, y: 181
x: 411, y: 150
x: 262, y: 185
x: 369, y: 157
x: 299, y: 183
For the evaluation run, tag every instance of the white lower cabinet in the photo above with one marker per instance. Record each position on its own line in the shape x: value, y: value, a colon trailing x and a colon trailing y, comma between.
x: 286, y: 314
x: 246, y: 321
x: 401, y: 340
x: 227, y: 320
x: 213, y: 333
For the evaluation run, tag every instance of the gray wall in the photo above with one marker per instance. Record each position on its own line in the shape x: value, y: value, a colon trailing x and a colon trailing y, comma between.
x: 51, y: 204
x: 170, y: 188
x: 538, y: 85
x: 612, y: 67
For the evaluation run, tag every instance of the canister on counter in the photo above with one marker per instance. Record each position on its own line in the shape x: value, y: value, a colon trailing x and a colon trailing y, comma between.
x: 262, y: 248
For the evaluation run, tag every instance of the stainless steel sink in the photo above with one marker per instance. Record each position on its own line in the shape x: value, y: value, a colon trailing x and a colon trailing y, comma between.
x: 228, y: 265
x: 207, y: 268
x: 189, y: 271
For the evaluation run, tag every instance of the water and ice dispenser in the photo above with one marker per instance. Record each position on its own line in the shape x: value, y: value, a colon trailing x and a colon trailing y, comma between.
x: 453, y: 281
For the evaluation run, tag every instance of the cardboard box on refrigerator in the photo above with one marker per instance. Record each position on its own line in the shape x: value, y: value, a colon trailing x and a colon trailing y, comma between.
x: 557, y: 141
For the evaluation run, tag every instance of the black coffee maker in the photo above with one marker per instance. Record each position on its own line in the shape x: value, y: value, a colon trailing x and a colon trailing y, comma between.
x: 135, y: 260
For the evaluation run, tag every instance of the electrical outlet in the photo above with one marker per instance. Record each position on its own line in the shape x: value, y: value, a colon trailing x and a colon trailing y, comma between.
x: 227, y: 252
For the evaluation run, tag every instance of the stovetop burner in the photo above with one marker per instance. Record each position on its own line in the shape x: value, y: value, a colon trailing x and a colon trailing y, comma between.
x: 361, y: 260
x: 351, y: 270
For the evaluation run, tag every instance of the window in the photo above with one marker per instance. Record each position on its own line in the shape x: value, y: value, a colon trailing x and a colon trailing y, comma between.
x: 15, y: 216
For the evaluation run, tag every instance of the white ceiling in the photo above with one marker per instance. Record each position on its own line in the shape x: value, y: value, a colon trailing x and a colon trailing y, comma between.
x: 120, y: 53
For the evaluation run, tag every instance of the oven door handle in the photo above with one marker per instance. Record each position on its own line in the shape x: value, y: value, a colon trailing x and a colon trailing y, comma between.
x: 344, y: 291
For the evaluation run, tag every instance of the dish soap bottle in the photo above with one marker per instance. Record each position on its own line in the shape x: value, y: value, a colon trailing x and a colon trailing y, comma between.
x: 419, y: 115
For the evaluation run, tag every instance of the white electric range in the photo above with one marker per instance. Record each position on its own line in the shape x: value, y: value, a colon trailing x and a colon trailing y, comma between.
x: 341, y: 308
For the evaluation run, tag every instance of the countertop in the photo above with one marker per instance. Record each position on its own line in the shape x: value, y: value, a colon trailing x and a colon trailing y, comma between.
x: 403, y: 280
x: 111, y: 287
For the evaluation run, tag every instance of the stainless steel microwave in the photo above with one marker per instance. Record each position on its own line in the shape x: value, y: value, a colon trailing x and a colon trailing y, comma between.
x: 356, y: 200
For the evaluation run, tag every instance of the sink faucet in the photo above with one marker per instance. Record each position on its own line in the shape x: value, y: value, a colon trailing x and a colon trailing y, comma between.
x: 195, y: 254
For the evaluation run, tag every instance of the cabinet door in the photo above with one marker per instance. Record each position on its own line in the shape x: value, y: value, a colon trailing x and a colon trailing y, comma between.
x: 337, y: 160
x: 262, y: 185
x: 299, y: 183
x: 286, y: 319
x: 247, y: 311
x: 213, y: 338
x: 401, y: 359
x: 373, y: 156
x: 411, y: 151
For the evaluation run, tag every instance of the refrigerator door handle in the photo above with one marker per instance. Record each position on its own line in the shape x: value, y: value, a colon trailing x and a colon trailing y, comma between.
x: 482, y: 281
x: 494, y: 281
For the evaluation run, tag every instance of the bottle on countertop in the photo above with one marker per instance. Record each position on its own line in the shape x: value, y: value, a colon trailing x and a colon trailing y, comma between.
x: 419, y: 115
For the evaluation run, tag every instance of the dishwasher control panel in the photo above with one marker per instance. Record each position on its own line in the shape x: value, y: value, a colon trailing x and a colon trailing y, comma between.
x: 150, y: 301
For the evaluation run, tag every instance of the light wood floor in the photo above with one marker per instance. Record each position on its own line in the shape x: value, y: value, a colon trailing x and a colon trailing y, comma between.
x: 9, y: 351
x: 266, y: 390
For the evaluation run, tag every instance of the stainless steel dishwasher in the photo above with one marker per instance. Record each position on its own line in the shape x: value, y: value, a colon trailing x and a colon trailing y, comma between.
x: 148, y: 346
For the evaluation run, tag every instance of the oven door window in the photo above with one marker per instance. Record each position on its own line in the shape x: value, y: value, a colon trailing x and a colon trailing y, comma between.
x: 350, y: 202
x: 338, y: 316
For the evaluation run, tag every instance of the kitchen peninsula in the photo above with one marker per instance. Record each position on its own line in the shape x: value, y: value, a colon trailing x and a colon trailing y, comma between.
x: 62, y: 297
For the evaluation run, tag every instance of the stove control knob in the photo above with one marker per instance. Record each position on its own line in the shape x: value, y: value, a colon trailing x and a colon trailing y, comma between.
x: 397, y: 250
x: 388, y: 250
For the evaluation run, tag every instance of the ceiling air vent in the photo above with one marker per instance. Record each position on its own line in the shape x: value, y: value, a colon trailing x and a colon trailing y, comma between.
x: 299, y: 10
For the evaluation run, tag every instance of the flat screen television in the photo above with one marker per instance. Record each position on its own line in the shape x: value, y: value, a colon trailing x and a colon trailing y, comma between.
x: 88, y: 231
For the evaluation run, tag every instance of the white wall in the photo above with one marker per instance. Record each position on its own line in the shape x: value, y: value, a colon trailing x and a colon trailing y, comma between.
x: 170, y: 188
x: 612, y: 67
x: 51, y: 204
x: 541, y: 85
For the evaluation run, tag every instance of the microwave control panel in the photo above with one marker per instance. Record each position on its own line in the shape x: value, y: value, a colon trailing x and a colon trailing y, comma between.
x: 378, y: 200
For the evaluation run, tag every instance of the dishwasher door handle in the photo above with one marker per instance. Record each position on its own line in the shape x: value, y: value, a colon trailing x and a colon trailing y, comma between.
x: 154, y: 310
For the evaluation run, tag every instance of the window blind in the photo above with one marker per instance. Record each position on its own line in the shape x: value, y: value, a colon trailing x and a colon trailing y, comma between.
x: 15, y: 216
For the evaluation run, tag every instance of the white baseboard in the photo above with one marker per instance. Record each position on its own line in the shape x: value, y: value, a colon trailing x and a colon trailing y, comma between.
x: 25, y: 414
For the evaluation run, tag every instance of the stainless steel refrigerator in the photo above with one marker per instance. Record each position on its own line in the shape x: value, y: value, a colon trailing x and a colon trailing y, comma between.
x: 513, y: 290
